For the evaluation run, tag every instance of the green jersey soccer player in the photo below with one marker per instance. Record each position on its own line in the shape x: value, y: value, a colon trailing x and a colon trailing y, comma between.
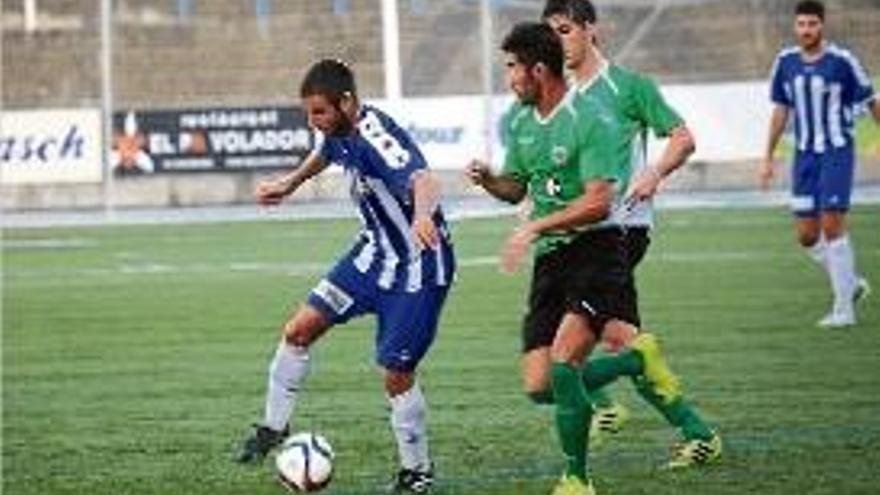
x: 579, y: 284
x: 638, y: 107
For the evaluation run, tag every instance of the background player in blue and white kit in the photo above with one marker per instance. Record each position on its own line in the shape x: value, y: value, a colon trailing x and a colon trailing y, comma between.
x: 400, y: 266
x: 824, y: 86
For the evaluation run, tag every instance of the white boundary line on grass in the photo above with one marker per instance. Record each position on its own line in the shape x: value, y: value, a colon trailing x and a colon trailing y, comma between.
x: 309, y: 269
x: 457, y: 208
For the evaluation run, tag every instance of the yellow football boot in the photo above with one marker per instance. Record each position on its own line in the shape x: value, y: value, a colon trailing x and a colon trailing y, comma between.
x: 607, y: 421
x: 657, y: 372
x: 695, y: 452
x: 572, y: 485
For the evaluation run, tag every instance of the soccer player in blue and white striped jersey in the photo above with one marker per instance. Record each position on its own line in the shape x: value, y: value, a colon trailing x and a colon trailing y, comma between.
x: 399, y: 268
x: 824, y: 86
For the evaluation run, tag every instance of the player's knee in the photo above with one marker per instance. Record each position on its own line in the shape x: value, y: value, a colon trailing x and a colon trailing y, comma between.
x: 304, y: 328
x: 297, y: 334
x: 808, y: 231
x: 808, y: 239
x: 832, y: 230
x: 398, y: 382
x: 617, y: 335
x: 536, y: 384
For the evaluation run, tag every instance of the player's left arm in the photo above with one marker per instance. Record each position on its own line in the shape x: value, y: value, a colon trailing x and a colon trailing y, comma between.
x: 858, y: 89
x: 426, y: 199
x: 593, y: 206
x: 652, y: 109
x: 875, y: 108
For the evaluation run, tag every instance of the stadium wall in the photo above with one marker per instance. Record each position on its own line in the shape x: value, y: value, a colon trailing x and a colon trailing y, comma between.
x: 226, y: 53
x: 729, y: 121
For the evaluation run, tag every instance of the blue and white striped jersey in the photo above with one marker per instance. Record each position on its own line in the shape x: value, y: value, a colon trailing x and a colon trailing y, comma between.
x: 825, y: 95
x: 381, y: 159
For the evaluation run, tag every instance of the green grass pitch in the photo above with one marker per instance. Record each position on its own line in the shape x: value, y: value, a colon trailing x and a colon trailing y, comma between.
x: 134, y: 359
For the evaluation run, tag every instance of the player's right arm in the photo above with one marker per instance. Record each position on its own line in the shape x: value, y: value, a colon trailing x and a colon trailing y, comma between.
x: 657, y: 114
x: 593, y: 206
x: 782, y: 101
x: 777, y: 126
x: 503, y: 187
x: 511, y: 184
x: 874, y: 107
x: 273, y: 191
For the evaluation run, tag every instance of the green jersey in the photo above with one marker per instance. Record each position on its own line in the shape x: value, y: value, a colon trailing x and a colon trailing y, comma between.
x: 635, y: 105
x: 553, y: 158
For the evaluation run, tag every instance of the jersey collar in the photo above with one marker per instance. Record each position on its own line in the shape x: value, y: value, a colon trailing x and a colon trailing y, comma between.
x: 812, y: 60
x: 600, y: 72
x: 564, y: 101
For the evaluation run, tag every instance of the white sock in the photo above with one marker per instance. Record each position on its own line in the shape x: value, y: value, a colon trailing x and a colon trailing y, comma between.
x: 841, y: 268
x: 819, y: 253
x: 287, y: 371
x: 408, y: 411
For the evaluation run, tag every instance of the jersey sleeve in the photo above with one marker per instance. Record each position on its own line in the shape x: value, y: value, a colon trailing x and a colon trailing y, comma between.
x: 652, y: 108
x: 857, y: 89
x: 778, y: 94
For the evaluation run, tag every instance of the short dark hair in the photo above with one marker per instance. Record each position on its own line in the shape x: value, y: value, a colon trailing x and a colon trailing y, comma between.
x: 580, y: 11
x: 810, y: 7
x: 330, y: 78
x: 535, y: 42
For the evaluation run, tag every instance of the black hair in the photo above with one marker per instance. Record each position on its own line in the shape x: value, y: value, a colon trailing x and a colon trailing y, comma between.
x: 535, y: 42
x: 811, y: 7
x: 580, y: 11
x: 330, y: 78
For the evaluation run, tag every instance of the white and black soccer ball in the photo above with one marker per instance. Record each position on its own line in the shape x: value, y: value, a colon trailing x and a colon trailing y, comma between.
x: 305, y: 462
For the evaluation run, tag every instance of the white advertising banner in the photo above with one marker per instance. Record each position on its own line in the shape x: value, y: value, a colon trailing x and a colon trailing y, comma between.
x: 729, y: 122
x: 50, y: 146
x: 451, y: 130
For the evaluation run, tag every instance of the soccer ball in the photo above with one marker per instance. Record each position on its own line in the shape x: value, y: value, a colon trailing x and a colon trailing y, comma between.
x: 305, y: 462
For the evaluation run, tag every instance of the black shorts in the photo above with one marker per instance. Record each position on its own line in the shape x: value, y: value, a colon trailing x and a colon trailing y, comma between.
x: 636, y: 240
x: 590, y: 276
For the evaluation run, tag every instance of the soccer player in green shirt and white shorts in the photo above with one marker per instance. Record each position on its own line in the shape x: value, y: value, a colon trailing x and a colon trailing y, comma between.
x: 580, y: 285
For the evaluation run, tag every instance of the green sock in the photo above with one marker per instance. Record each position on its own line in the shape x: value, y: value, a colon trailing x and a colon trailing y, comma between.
x: 573, y: 413
x: 603, y: 370
x: 677, y: 412
x: 600, y: 397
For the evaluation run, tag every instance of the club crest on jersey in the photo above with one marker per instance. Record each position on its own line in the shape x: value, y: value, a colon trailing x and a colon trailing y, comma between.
x: 559, y: 155
x: 553, y: 187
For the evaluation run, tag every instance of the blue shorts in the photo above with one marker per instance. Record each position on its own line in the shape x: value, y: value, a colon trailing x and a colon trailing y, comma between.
x: 407, y: 320
x: 822, y: 182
